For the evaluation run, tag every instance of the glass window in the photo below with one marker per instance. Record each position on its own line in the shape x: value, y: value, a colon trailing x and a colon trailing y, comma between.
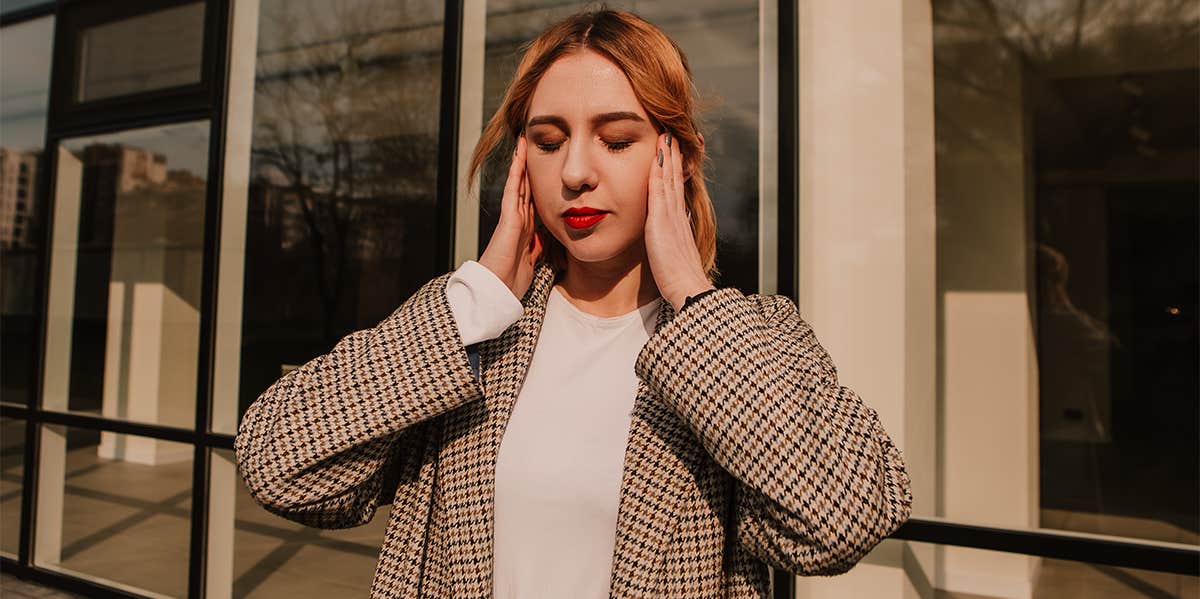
x: 152, y: 51
x: 342, y: 190
x: 12, y: 477
x: 115, y: 508
x: 1067, y: 138
x: 273, y: 557
x: 24, y: 95
x: 1012, y: 575
x: 720, y: 39
x: 127, y: 266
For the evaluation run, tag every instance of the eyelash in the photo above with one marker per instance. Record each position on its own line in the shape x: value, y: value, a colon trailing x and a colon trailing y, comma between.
x: 614, y: 147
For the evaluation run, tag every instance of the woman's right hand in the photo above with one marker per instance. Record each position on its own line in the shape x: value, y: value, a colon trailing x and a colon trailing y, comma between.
x: 515, y: 246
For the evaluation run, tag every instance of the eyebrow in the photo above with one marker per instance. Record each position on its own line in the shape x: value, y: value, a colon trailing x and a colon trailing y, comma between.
x: 597, y: 120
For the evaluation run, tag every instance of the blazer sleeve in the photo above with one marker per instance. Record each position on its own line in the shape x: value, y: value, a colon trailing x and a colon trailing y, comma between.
x: 819, y: 481
x: 324, y: 445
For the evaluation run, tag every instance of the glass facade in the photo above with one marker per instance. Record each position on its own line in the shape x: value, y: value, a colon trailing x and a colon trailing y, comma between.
x: 342, y: 176
x: 152, y: 51
x: 273, y: 557
x: 12, y: 474
x: 115, y: 520
x: 24, y: 100
x: 1067, y: 185
x: 996, y: 236
x: 134, y: 256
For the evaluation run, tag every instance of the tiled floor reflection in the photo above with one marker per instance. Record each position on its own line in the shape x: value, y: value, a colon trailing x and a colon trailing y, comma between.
x: 277, y: 558
x: 12, y: 455
x: 124, y: 521
x: 14, y: 588
x: 273, y: 561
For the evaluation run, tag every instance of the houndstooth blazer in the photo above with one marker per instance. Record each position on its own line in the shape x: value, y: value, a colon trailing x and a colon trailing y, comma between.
x: 743, y: 451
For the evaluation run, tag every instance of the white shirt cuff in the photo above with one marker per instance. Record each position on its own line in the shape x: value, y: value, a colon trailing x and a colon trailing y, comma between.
x: 482, y: 304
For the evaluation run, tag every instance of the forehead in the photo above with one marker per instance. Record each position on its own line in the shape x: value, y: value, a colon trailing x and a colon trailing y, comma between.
x: 581, y: 84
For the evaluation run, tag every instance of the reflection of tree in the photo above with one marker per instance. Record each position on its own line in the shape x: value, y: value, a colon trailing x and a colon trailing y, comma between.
x: 1080, y: 32
x: 1040, y: 42
x: 340, y: 130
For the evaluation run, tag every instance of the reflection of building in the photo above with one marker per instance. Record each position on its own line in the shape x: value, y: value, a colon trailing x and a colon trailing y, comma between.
x: 135, y: 167
x: 110, y: 170
x: 140, y: 239
x: 18, y: 181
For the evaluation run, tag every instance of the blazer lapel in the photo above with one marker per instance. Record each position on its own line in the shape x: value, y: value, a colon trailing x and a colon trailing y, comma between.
x: 661, y: 455
x: 467, y: 468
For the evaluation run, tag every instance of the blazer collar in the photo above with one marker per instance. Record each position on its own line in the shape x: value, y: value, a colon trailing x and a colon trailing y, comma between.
x: 661, y: 455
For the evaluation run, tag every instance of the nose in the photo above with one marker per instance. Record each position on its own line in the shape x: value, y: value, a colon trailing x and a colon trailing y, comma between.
x: 578, y: 172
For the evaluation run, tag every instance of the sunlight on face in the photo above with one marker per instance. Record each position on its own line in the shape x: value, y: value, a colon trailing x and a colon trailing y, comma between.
x: 591, y: 145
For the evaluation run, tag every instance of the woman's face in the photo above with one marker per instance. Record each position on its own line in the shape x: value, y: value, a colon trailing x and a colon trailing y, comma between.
x: 590, y: 147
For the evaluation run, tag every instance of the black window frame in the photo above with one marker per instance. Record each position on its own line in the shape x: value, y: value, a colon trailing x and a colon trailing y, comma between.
x: 68, y: 114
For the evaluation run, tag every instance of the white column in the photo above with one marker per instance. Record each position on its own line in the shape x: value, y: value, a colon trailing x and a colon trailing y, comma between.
x: 470, y: 126
x: 867, y: 240
x: 231, y: 256
x: 51, y: 493
x: 56, y: 375
x: 57, y: 371
x: 60, y: 303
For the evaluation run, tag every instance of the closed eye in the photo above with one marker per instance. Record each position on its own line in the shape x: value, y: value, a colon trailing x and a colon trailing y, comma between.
x: 614, y: 147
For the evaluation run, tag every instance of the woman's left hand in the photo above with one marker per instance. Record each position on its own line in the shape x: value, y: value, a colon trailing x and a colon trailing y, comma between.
x: 670, y: 245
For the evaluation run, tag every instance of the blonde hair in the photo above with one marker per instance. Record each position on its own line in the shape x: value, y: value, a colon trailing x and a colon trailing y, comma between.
x: 662, y: 81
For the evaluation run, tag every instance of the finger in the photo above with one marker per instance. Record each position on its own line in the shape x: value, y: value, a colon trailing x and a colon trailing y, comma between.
x: 527, y: 200
x: 530, y: 202
x: 668, y: 169
x: 677, y: 177
x: 523, y: 190
x: 655, y: 195
x: 512, y: 185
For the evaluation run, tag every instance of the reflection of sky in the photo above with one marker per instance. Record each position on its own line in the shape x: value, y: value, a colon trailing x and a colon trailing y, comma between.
x: 185, y: 145
x: 24, y: 82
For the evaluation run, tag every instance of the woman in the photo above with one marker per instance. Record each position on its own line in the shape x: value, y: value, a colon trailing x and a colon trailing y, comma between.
x: 624, y: 427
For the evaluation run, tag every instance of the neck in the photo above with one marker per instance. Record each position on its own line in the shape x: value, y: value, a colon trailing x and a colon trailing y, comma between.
x: 612, y: 287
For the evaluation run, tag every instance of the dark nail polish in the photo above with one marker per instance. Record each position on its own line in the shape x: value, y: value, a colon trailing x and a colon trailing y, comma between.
x: 660, y: 157
x: 668, y: 139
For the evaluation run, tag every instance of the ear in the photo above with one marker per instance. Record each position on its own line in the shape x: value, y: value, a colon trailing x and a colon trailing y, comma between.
x: 687, y: 174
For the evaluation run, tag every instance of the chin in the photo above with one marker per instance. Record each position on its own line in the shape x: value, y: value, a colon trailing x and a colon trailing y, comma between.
x: 595, y: 249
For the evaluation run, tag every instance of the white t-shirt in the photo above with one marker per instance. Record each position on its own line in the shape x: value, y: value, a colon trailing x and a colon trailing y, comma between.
x: 558, y: 472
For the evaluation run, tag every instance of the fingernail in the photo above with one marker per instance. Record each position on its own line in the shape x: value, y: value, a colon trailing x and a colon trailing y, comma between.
x: 660, y: 157
x: 668, y: 139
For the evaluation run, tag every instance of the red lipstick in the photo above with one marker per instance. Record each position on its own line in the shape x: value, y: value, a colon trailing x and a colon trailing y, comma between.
x: 583, y: 217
